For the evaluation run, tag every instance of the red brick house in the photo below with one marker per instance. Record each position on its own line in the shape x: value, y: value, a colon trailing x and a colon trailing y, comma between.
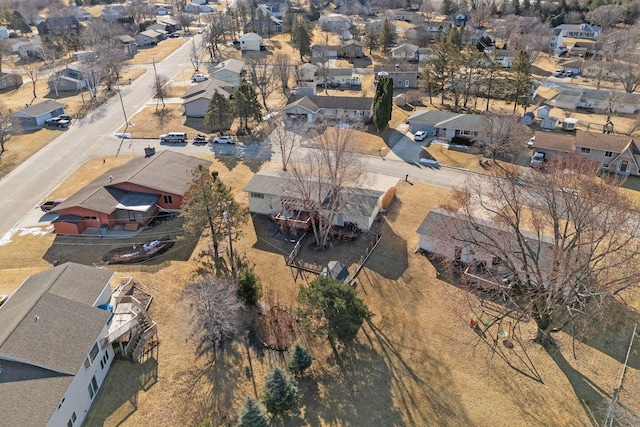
x: 130, y: 195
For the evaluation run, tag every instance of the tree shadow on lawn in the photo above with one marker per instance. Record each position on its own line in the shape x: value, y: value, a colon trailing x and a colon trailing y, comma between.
x: 372, y: 374
x: 120, y: 389
x: 210, y: 388
x: 592, y: 398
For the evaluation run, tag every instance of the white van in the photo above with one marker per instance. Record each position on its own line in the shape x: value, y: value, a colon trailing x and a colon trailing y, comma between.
x: 173, y: 137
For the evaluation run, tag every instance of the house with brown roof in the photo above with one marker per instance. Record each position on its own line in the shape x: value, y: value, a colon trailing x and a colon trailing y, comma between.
x: 350, y: 49
x: 197, y: 98
x: 616, y: 153
x: 312, y: 107
x: 129, y: 195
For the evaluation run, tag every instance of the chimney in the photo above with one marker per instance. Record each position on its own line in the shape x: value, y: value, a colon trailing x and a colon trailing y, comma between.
x: 110, y: 178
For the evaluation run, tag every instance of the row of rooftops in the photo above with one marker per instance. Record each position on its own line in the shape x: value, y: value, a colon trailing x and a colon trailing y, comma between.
x: 568, y: 142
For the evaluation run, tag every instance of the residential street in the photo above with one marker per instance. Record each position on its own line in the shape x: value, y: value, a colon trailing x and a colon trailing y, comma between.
x: 24, y: 188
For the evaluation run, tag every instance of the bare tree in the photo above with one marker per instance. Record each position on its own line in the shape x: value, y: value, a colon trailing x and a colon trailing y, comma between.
x: 215, y: 32
x: 606, y: 16
x: 533, y: 41
x: 195, y: 55
x: 5, y: 51
x: 113, y: 61
x: 31, y: 68
x: 282, y: 69
x: 502, y: 134
x: 324, y: 176
x: 215, y: 311
x: 262, y: 77
x: 160, y: 89
x: 557, y: 249
x: 286, y: 138
x: 5, y: 125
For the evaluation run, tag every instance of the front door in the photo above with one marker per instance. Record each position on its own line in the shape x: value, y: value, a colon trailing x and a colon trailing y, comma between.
x: 624, y: 166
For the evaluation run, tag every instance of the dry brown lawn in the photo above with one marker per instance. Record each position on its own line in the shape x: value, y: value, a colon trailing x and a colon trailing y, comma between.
x: 415, y: 364
x: 146, y: 55
x: 455, y: 158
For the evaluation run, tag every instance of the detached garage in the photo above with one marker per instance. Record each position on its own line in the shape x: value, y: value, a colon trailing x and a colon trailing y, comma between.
x: 34, y: 116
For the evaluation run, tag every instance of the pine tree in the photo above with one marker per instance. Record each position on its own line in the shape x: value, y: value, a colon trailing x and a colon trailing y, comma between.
x: 520, y: 80
x: 249, y: 287
x: 251, y: 415
x: 219, y: 114
x: 301, y: 38
x: 387, y: 36
x: 280, y: 392
x: 300, y: 360
x: 246, y: 105
x: 383, y: 103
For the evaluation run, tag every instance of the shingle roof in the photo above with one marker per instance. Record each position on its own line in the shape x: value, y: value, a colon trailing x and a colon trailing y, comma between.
x: 40, y: 109
x: 167, y: 172
x: 231, y: 65
x: 402, y: 67
x: 430, y: 116
x: 604, y: 142
x: 313, y: 103
x: 47, y: 328
x: 555, y: 141
x: 207, y: 88
x: 446, y: 119
x: 250, y: 36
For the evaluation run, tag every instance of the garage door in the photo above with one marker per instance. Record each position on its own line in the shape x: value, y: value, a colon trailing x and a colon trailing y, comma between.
x: 415, y: 127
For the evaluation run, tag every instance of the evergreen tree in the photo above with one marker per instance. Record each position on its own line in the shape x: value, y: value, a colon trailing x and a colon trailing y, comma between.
x: 448, y: 7
x: 520, y: 80
x: 371, y: 40
x: 249, y: 287
x: 288, y: 22
x: 219, y: 114
x: 334, y: 307
x: 515, y: 4
x: 383, y: 103
x: 302, y: 38
x: 251, y: 415
x: 526, y: 6
x: 246, y: 105
x: 300, y: 360
x: 280, y: 392
x: 387, y: 35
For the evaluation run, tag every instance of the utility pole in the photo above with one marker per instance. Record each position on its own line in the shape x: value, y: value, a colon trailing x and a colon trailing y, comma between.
x: 611, y: 410
x: 227, y: 215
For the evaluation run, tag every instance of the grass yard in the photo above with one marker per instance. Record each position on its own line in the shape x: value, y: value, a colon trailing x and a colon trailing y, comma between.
x: 454, y: 158
x: 147, y: 54
x: 415, y: 363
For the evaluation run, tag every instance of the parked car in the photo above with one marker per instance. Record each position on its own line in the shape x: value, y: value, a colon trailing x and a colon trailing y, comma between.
x: 65, y: 117
x: 49, y: 205
x: 122, y: 135
x: 224, y: 139
x: 557, y: 73
x: 537, y: 160
x: 200, y: 31
x: 57, y: 122
x: 419, y: 136
x: 199, y: 139
x: 532, y: 140
x: 196, y: 78
x: 173, y: 137
x: 310, y: 144
x: 174, y: 35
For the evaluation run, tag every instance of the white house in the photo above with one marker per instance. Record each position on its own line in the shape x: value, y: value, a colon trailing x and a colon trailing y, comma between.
x: 230, y: 71
x: 52, y: 359
x: 197, y: 98
x: 275, y: 193
x: 405, y: 52
x: 446, y: 125
x: 579, y: 31
x: 335, y: 22
x: 311, y: 107
x: 250, y: 42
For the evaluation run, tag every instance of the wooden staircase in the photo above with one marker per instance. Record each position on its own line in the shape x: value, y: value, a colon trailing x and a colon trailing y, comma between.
x: 143, y: 339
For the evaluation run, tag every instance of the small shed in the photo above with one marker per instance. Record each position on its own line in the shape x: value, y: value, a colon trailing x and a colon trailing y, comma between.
x: 549, y: 123
x: 250, y: 41
x: 336, y: 270
x: 569, y: 123
x: 528, y: 119
x: 543, y: 112
x: 401, y: 100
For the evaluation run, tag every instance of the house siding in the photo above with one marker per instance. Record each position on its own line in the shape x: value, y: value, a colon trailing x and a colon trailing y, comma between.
x: 196, y: 108
x: 76, y: 398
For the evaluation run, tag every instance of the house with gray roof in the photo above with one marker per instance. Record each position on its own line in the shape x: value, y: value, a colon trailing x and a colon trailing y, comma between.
x: 405, y: 75
x: 10, y: 80
x: 446, y: 125
x: 571, y: 98
x: 230, y: 71
x: 197, y: 98
x: 34, y: 116
x: 129, y: 195
x: 276, y: 192
x: 312, y: 107
x: 52, y: 360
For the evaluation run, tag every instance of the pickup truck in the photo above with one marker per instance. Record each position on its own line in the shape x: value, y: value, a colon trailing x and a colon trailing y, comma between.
x: 537, y: 160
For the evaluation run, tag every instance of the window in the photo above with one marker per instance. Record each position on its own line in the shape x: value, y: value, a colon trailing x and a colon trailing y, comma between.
x: 87, y: 363
x: 605, y: 166
x: 94, y: 352
x: 61, y: 402
x: 91, y: 217
x: 72, y: 420
x: 585, y: 150
x: 167, y: 200
x: 608, y: 153
x: 257, y: 195
x: 93, y: 387
x: 102, y: 363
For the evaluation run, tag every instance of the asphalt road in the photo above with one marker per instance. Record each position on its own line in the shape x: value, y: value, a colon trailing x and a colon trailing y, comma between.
x: 24, y: 188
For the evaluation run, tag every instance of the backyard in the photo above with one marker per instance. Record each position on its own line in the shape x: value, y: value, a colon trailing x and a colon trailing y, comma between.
x: 415, y: 363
